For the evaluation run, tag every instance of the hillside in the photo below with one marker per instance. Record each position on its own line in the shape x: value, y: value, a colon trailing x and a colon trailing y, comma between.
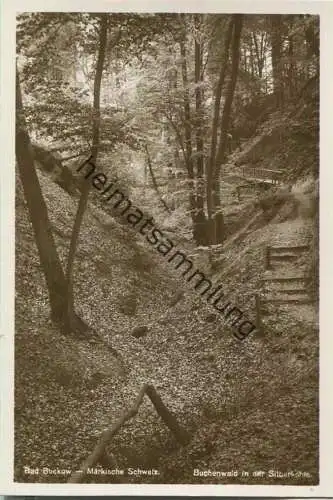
x: 69, y: 391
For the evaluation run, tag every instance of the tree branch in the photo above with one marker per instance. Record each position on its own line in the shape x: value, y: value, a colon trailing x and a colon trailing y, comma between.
x: 154, y: 180
x: 94, y: 151
x: 98, y: 453
x: 178, y: 134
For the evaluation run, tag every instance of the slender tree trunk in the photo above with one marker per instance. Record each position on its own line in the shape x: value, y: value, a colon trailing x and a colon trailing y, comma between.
x: 261, y: 61
x: 252, y: 61
x: 217, y: 105
x: 94, y: 152
x: 312, y: 39
x: 200, y: 218
x: 291, y: 69
x: 188, y: 134
x: 49, y: 258
x: 276, y: 25
x: 244, y: 60
x: 238, y: 23
x: 258, y: 52
x: 179, y: 142
x: 187, y: 110
x: 220, y: 156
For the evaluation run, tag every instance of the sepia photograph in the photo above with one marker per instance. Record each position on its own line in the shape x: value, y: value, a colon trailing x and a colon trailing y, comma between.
x: 166, y: 248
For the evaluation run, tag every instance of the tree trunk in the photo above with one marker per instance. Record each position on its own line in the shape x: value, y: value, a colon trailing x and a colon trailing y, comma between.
x: 188, y: 135
x: 252, y: 61
x: 48, y: 255
x: 199, y: 229
x: 276, y: 26
x: 244, y: 60
x: 291, y: 68
x: 312, y: 38
x: 220, y: 156
x: 263, y: 42
x: 259, y: 51
x: 210, y: 167
x: 187, y: 110
x: 94, y: 152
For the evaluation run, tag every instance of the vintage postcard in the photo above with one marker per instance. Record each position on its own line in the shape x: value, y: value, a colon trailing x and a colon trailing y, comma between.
x: 163, y: 168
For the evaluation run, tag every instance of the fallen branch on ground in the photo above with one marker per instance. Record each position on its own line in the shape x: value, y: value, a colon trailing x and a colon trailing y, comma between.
x: 99, y: 452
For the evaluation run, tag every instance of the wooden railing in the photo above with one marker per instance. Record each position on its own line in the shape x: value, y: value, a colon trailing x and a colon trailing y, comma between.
x: 257, y: 173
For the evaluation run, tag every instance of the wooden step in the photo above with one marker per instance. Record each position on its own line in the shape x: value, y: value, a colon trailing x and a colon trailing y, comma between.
x: 301, y: 299
x: 298, y: 248
x: 287, y: 291
x: 285, y: 278
x: 291, y: 291
x: 284, y: 256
